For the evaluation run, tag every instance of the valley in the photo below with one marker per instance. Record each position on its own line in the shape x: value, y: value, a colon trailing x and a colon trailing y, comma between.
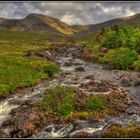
x: 62, y: 81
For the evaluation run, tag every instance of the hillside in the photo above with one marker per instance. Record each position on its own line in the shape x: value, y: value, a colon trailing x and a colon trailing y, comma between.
x: 85, y: 29
x: 37, y: 23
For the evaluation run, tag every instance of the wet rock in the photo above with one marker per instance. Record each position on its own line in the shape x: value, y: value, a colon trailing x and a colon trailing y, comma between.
x: 56, y: 131
x: 133, y: 110
x: 81, y: 135
x: 125, y: 83
x: 80, y: 69
x: 67, y: 64
x: 136, y: 83
x: 26, y: 121
x: 90, y: 77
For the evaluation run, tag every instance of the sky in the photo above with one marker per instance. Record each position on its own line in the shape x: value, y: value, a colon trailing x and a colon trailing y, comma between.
x: 71, y: 12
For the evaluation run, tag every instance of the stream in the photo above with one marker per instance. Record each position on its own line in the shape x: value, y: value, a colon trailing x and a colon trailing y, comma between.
x: 68, y: 76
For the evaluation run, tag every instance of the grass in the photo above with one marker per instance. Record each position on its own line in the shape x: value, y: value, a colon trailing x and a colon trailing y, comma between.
x: 14, y: 36
x: 17, y: 71
x: 96, y: 102
x: 51, y: 69
x: 59, y: 99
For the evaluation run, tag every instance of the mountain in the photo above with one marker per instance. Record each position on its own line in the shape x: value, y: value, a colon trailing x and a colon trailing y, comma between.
x: 37, y: 23
x: 131, y: 20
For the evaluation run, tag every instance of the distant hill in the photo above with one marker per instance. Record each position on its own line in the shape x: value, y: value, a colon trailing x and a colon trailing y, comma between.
x: 131, y: 20
x: 37, y: 23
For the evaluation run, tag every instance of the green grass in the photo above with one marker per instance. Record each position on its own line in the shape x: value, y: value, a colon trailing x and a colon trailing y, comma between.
x: 59, y: 99
x: 17, y: 71
x: 14, y: 36
x: 96, y: 102
x: 51, y: 69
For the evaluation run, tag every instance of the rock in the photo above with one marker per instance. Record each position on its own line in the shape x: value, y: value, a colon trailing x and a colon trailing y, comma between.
x: 67, y: 64
x: 90, y: 77
x: 26, y: 121
x: 136, y: 83
x: 103, y: 50
x: 80, y: 69
x: 81, y: 135
x: 96, y: 134
x: 125, y: 83
x: 133, y: 110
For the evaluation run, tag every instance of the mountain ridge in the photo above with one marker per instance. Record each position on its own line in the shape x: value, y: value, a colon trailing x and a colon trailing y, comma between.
x: 42, y: 23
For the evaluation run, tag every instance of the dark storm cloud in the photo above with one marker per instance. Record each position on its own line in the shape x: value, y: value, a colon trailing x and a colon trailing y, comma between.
x: 71, y: 12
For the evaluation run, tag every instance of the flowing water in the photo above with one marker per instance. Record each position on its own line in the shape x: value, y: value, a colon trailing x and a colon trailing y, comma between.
x: 69, y: 77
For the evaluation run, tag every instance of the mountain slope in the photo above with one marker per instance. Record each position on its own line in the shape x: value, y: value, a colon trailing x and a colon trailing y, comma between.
x: 37, y: 23
x: 131, y: 20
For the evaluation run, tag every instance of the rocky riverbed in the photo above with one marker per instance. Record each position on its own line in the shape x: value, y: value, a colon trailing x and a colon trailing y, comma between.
x: 20, y: 115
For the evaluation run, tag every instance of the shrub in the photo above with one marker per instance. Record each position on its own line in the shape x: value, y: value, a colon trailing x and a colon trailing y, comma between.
x: 136, y: 65
x: 121, y: 58
x: 51, y: 69
x: 96, y: 102
x: 59, y: 99
x: 122, y: 36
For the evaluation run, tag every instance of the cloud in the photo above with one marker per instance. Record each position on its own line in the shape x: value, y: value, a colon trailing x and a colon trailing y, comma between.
x: 71, y: 19
x: 71, y: 12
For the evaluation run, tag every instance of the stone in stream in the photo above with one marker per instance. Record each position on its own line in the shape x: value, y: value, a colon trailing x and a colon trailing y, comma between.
x: 125, y: 83
x: 90, y: 77
x: 76, y: 129
x: 136, y: 83
x: 67, y: 64
x: 80, y: 69
x: 133, y: 110
x: 83, y: 134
